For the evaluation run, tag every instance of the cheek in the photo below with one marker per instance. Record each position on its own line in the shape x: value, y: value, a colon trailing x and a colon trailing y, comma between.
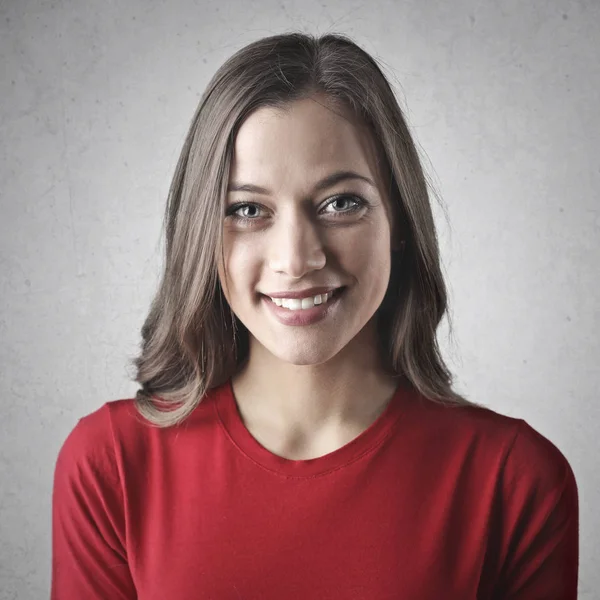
x: 242, y: 261
x: 367, y: 257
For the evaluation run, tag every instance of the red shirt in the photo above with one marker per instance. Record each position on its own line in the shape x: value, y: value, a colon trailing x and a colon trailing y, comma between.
x: 429, y: 502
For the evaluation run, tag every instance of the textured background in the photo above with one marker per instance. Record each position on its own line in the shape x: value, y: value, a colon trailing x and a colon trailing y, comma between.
x: 95, y: 100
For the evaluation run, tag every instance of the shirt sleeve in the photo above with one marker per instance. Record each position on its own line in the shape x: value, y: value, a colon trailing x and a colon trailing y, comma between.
x: 541, y: 522
x: 89, y: 559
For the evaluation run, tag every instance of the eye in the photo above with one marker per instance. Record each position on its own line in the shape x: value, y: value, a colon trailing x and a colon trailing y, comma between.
x: 244, y: 213
x: 354, y: 202
x: 236, y: 209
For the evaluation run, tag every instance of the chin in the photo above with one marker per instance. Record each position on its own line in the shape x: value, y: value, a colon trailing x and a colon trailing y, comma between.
x: 305, y: 356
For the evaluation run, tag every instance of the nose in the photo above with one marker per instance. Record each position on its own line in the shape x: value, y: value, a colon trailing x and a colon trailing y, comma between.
x: 295, y: 247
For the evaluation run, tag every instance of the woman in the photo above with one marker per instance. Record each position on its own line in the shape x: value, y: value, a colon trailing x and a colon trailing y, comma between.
x: 296, y: 434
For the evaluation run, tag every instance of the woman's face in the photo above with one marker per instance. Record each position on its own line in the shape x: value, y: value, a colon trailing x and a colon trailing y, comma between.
x: 295, y: 234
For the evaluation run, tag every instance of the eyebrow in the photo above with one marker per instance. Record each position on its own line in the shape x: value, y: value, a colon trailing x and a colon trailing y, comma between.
x: 325, y: 183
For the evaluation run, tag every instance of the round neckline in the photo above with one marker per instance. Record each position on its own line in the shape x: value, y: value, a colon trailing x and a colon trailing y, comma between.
x: 228, y: 414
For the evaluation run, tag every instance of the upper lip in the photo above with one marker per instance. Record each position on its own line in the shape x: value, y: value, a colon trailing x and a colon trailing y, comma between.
x: 313, y: 291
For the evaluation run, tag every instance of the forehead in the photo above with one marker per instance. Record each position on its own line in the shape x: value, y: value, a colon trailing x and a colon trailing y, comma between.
x: 306, y: 139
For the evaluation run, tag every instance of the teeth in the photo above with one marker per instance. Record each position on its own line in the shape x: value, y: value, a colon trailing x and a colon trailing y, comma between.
x: 302, y: 303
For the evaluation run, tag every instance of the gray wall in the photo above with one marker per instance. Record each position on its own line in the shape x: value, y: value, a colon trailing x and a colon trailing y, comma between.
x: 95, y: 99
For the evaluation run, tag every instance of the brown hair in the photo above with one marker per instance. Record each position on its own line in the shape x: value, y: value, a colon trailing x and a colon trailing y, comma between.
x: 191, y: 340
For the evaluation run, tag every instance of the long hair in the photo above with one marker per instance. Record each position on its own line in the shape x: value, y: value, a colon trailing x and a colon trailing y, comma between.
x: 191, y: 339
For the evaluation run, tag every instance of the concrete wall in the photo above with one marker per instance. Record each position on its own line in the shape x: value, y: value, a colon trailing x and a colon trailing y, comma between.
x: 95, y: 99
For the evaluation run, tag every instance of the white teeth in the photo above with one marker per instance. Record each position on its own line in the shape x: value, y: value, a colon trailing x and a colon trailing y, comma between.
x: 302, y: 303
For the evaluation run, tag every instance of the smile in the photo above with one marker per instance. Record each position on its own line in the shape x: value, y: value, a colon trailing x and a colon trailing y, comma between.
x: 303, y: 303
x: 304, y: 311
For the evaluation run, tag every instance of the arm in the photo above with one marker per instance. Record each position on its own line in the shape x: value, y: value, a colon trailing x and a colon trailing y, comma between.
x: 88, y: 525
x: 541, y: 522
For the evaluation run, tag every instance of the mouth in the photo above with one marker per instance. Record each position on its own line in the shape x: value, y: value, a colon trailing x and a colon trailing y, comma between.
x: 297, y: 315
x: 301, y: 304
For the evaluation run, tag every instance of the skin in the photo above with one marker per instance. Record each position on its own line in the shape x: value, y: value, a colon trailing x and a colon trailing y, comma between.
x: 307, y: 390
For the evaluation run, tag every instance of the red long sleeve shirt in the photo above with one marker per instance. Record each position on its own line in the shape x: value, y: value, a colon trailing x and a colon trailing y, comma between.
x: 429, y: 502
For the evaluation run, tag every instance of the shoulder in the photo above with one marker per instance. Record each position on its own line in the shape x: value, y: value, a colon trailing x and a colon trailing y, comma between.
x: 537, y: 463
x: 526, y: 477
x: 116, y: 437
x: 472, y: 429
x: 93, y: 433
x: 510, y: 446
x: 89, y: 448
x: 533, y: 473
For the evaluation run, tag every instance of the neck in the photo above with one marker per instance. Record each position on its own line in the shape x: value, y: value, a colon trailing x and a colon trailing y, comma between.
x: 348, y: 391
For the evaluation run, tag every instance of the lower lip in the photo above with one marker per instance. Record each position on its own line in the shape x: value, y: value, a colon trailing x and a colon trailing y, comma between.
x: 307, y: 316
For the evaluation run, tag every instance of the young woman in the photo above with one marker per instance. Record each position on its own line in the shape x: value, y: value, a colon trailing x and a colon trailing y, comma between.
x: 296, y: 434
